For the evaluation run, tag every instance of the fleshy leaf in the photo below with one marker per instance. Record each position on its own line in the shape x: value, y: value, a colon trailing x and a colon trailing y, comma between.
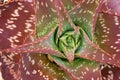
x: 77, y: 1
x: 10, y: 67
x: 69, y: 4
x: 80, y: 69
x: 65, y: 24
x: 110, y: 72
x: 47, y: 17
x: 46, y: 45
x: 39, y: 67
x: 11, y: 29
x: 41, y: 45
x: 107, y: 34
x: 50, y: 15
x: 85, y: 14
x: 17, y: 21
x: 93, y: 52
x: 111, y: 7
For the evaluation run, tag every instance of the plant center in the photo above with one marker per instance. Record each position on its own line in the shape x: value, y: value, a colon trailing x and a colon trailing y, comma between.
x: 69, y: 42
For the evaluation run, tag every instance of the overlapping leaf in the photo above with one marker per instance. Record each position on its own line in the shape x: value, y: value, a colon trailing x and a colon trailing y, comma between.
x: 107, y: 34
x: 17, y: 21
x: 47, y: 17
x: 65, y: 24
x: 47, y: 21
x: 93, y: 52
x: 50, y: 15
x: 80, y: 69
x: 110, y: 72
x: 39, y: 67
x: 85, y: 15
x: 111, y: 7
x: 69, y: 4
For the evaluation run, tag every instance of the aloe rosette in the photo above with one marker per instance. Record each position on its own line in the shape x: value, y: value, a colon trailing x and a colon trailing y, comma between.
x: 60, y: 40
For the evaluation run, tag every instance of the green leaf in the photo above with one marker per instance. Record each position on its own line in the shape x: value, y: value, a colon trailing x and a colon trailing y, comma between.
x: 81, y: 69
x: 46, y: 17
x: 69, y: 4
x: 84, y: 15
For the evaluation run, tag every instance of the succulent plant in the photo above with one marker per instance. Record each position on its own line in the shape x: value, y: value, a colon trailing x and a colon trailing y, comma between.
x: 60, y: 39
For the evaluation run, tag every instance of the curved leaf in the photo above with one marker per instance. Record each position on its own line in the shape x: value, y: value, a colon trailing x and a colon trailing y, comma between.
x: 111, y: 7
x: 65, y: 23
x: 110, y: 72
x: 85, y: 14
x: 69, y: 4
x: 10, y: 67
x: 46, y: 17
x: 17, y: 21
x: 107, y: 34
x: 93, y: 52
x: 39, y: 67
x: 80, y: 69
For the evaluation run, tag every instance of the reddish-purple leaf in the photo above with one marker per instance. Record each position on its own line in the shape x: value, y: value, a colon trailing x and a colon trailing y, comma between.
x: 42, y: 45
x: 110, y: 72
x: 17, y: 21
x: 107, y: 34
x: 10, y: 66
x: 77, y: 1
x: 45, y: 45
x: 39, y: 67
x: 96, y: 54
x: 111, y: 7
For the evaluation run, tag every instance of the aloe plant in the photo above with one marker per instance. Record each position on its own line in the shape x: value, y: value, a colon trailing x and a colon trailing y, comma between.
x: 60, y: 39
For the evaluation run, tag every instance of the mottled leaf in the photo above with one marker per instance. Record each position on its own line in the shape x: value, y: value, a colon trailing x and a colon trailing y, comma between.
x: 40, y: 67
x: 65, y: 24
x: 107, y: 34
x: 110, y: 72
x: 85, y: 14
x: 111, y: 7
x: 46, y: 17
x: 93, y: 52
x: 69, y: 4
x: 80, y: 69
x: 17, y: 21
